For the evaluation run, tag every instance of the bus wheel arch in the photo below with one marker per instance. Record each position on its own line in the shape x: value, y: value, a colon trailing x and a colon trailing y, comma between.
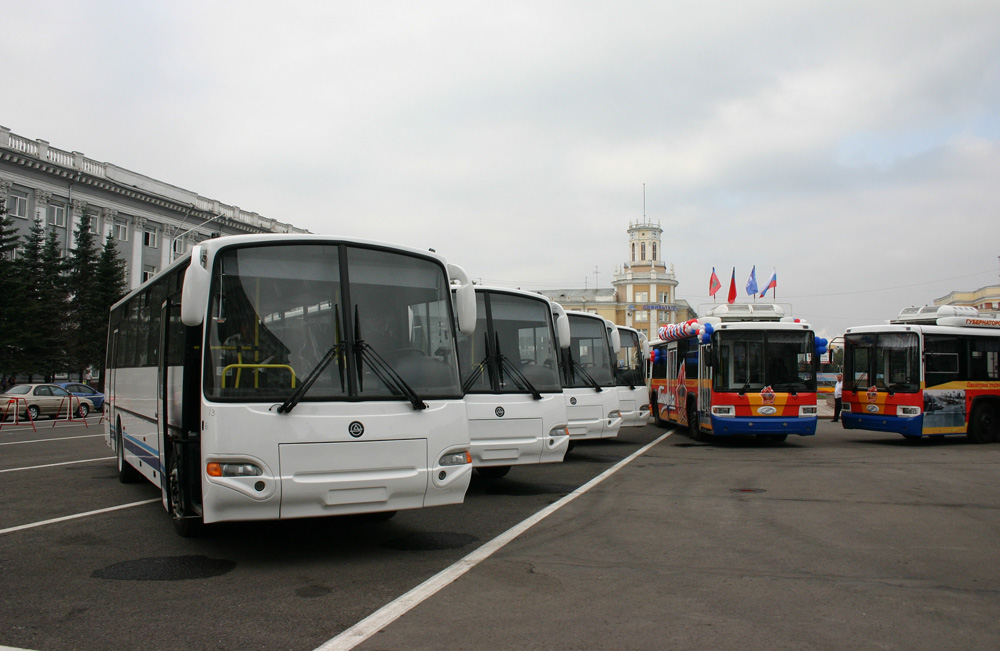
x: 127, y: 474
x: 186, y: 526
x: 984, y: 422
x: 692, y: 417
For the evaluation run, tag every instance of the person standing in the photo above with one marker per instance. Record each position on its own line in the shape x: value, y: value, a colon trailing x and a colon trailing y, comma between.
x: 838, y: 391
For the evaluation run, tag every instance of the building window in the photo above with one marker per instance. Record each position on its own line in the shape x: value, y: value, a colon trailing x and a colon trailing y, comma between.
x: 633, y: 251
x: 149, y: 239
x: 119, y: 231
x: 643, y: 254
x: 654, y: 251
x: 665, y: 297
x: 17, y: 204
x: 642, y: 316
x: 57, y: 215
x: 178, y: 246
x: 148, y: 271
x: 641, y: 297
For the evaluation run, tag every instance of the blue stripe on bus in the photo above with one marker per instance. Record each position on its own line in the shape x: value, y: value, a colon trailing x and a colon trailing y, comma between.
x: 763, y: 426
x: 145, y: 453
x: 913, y: 426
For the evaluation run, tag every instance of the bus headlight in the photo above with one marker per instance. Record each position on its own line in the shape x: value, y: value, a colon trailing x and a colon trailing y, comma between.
x: 561, y: 430
x: 216, y: 469
x: 614, y: 414
x: 809, y: 412
x: 909, y: 412
x: 455, y: 458
x: 723, y: 411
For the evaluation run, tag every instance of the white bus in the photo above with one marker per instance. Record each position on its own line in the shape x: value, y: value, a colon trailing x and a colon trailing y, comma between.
x: 630, y: 374
x: 510, y: 375
x: 285, y: 376
x: 588, y: 378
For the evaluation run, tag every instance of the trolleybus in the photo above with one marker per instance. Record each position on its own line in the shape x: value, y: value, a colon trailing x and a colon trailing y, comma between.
x: 630, y: 375
x: 510, y: 375
x: 742, y: 370
x: 285, y: 376
x: 588, y: 378
x: 934, y: 371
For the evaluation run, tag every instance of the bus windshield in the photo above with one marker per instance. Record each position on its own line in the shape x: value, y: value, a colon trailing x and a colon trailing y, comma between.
x: 630, y: 370
x: 750, y: 360
x: 279, y: 314
x: 517, y: 345
x: 588, y: 358
x: 887, y: 360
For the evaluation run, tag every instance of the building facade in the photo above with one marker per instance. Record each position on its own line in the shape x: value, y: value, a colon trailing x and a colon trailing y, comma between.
x: 643, y: 292
x: 985, y: 299
x: 152, y: 222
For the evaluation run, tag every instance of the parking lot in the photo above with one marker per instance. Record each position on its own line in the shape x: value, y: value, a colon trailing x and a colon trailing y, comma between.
x: 845, y: 539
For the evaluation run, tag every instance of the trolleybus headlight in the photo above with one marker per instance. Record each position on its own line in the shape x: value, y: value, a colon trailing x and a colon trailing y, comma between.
x: 909, y: 411
x: 455, y: 458
x: 613, y: 414
x: 723, y: 411
x: 233, y: 470
x: 807, y: 411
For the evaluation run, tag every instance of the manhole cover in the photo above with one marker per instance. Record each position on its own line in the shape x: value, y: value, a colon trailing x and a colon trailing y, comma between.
x: 166, y: 568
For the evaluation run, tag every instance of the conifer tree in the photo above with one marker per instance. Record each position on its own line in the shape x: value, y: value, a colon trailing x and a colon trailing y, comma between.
x: 52, y: 319
x: 12, y: 294
x: 111, y: 286
x: 87, y: 326
x: 31, y: 356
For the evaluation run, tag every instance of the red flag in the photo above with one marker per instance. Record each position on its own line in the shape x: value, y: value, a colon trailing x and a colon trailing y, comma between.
x: 713, y: 284
x: 732, y: 287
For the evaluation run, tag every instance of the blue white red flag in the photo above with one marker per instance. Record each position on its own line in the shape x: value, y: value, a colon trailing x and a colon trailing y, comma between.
x: 752, y: 282
x: 771, y: 284
x: 713, y: 284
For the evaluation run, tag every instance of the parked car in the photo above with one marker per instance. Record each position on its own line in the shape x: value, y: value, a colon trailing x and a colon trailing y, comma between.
x: 35, y: 400
x: 85, y: 391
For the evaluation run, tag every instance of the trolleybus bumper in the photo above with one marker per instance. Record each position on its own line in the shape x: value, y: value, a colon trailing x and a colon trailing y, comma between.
x: 912, y: 426
x: 763, y: 426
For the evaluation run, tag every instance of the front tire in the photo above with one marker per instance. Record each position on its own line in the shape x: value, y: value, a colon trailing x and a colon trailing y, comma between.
x: 33, y: 412
x: 82, y: 411
x: 185, y: 526
x: 493, y: 472
x: 693, y: 429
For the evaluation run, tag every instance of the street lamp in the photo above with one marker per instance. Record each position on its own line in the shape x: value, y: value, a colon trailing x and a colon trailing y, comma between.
x: 174, y: 239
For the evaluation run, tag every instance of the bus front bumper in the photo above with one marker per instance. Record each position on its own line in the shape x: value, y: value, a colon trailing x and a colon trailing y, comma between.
x: 910, y: 426
x: 763, y: 426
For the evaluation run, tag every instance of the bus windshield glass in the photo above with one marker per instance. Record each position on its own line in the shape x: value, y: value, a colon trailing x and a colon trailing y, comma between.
x: 630, y: 370
x: 518, y: 344
x: 589, y: 355
x: 888, y: 360
x: 278, y: 314
x: 750, y: 360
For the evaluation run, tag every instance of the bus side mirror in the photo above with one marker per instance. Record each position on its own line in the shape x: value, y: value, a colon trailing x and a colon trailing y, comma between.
x: 465, y: 300
x: 616, y: 338
x: 562, y: 330
x: 194, y: 293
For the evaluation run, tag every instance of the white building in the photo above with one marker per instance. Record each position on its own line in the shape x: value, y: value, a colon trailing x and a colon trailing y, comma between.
x: 151, y: 220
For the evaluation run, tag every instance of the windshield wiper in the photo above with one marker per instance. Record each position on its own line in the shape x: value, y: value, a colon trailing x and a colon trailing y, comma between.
x: 577, y: 365
x: 472, y: 379
x: 314, y: 374
x: 337, y: 350
x: 364, y: 353
x: 519, y: 378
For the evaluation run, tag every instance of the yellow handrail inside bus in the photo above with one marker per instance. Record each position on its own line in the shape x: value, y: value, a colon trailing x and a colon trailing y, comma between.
x: 254, y: 366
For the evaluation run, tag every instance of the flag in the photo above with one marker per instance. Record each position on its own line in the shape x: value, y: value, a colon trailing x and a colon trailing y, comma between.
x: 752, y: 282
x: 732, y: 287
x: 713, y: 284
x: 771, y: 284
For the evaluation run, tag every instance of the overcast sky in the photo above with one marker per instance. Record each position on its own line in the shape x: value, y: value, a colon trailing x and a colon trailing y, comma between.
x: 854, y: 147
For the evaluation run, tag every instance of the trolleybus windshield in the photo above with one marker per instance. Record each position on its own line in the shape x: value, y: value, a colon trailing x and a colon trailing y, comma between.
x: 887, y: 360
x: 367, y: 323
x: 750, y: 360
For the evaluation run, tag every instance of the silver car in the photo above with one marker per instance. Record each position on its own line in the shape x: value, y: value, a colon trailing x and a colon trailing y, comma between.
x: 36, y: 400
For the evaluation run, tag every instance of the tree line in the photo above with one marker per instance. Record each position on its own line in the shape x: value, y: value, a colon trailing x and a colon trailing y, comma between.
x: 54, y: 309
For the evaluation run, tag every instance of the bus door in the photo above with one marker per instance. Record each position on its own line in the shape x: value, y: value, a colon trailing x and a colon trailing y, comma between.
x: 704, y: 383
x: 180, y: 451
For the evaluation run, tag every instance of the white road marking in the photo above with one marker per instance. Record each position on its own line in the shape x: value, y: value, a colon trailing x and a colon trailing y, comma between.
x: 77, y: 516
x: 52, y: 465
x: 63, y: 438
x: 393, y: 610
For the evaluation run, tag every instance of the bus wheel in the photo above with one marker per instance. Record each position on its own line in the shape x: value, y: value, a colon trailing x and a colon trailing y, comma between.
x: 693, y: 428
x: 493, y: 472
x: 656, y: 415
x: 983, y: 424
x: 127, y: 474
x: 185, y: 526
